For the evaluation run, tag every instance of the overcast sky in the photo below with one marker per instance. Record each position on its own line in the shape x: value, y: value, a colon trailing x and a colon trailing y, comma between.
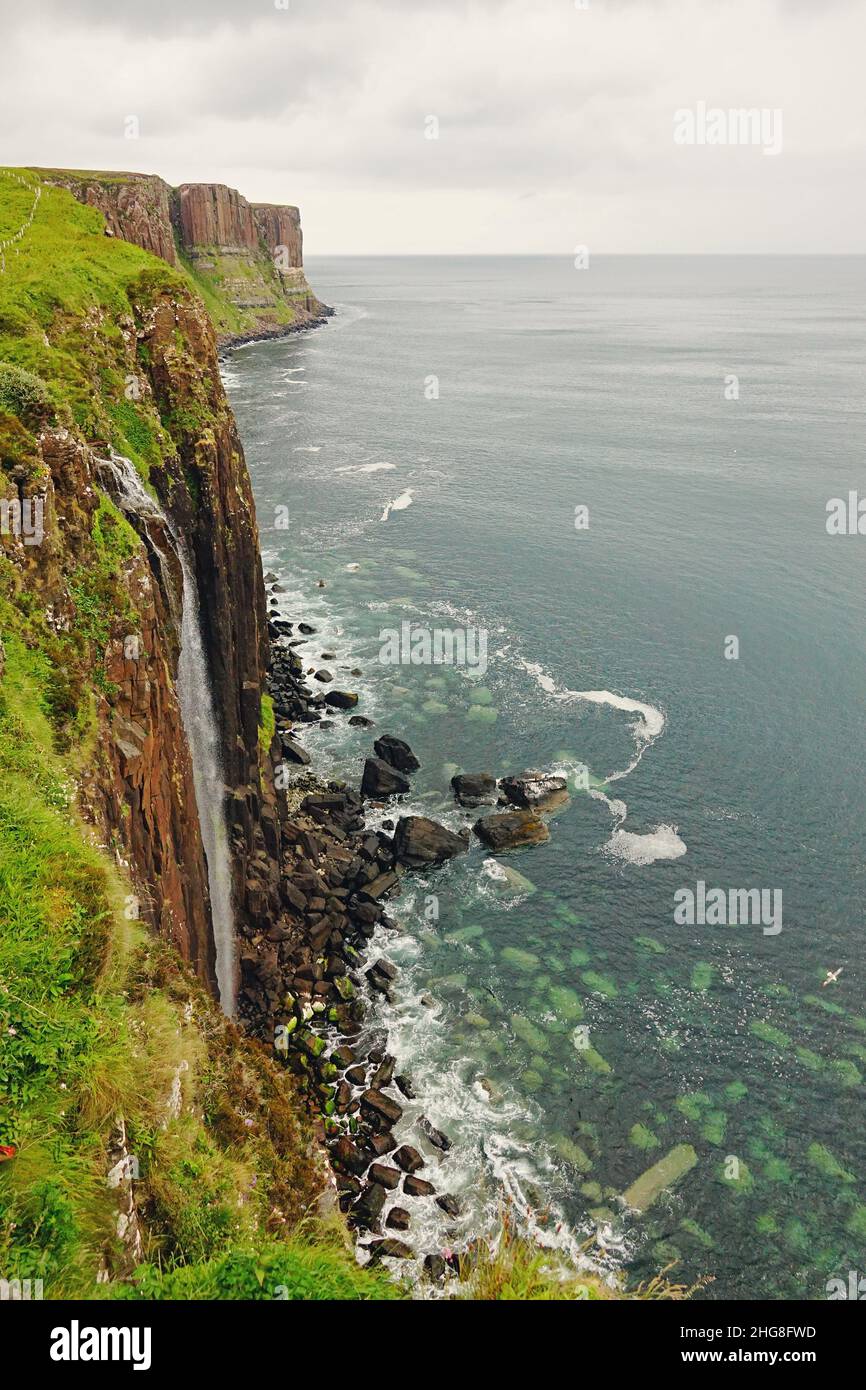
x: 555, y: 121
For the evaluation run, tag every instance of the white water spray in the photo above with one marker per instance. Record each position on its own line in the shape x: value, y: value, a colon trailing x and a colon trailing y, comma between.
x: 199, y: 721
x: 661, y: 843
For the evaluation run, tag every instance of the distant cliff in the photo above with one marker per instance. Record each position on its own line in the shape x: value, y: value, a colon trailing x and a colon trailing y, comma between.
x: 246, y: 259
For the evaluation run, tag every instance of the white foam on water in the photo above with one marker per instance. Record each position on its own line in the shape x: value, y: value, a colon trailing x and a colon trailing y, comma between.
x: 366, y: 468
x: 307, y: 449
x: 487, y: 1159
x: 399, y: 504
x: 661, y: 843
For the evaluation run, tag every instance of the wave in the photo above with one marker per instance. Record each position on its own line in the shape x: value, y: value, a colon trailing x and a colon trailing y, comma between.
x: 366, y: 468
x: 399, y: 504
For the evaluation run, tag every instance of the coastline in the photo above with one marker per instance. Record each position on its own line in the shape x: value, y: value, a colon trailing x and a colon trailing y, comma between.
x: 226, y: 342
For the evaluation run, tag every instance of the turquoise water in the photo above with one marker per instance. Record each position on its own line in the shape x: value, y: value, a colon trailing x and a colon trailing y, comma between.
x: 605, y: 389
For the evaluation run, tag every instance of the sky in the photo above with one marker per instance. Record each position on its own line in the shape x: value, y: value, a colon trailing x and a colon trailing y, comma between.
x: 554, y: 120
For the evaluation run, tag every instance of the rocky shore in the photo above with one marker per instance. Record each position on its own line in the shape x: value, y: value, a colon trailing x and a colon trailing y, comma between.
x: 303, y: 974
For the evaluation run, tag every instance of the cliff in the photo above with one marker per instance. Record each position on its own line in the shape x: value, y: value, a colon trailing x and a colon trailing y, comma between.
x: 245, y: 259
x: 125, y: 514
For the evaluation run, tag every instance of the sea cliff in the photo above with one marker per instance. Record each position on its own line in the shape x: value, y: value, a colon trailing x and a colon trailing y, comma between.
x: 153, y: 1143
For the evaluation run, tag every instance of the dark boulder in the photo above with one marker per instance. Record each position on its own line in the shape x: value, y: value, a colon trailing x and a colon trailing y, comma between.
x: 385, y: 1176
x: 347, y: 1155
x: 293, y: 751
x: 398, y: 1219
x: 435, y: 1267
x: 381, y: 779
x: 449, y: 1204
x: 474, y: 788
x: 390, y: 1249
x: 419, y: 841
x: 534, y: 790
x: 417, y: 1187
x: 381, y: 1107
x: 510, y: 829
x: 341, y: 699
x: 434, y: 1135
x: 396, y: 752
x: 367, y: 1208
x: 408, y: 1159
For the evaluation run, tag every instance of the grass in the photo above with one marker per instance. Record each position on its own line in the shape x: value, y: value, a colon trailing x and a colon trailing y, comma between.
x: 518, y: 1269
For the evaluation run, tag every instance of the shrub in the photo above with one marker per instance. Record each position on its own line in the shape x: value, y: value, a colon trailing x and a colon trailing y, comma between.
x: 23, y: 393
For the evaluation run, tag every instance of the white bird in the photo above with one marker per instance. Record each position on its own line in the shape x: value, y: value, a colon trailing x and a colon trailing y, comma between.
x: 832, y: 977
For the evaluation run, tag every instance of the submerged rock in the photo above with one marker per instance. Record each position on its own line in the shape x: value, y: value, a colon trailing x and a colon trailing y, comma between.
x: 419, y: 841
x: 534, y: 790
x: 650, y: 1185
x: 510, y: 829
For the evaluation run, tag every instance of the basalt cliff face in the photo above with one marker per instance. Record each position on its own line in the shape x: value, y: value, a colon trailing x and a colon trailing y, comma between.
x: 246, y: 258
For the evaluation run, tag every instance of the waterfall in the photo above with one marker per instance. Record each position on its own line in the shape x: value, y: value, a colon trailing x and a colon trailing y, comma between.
x: 199, y: 721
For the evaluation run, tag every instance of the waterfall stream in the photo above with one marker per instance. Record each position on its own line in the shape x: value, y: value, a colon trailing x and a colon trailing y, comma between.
x: 199, y: 722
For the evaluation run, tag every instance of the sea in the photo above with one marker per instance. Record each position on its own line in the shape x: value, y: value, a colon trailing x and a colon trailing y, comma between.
x: 620, y: 504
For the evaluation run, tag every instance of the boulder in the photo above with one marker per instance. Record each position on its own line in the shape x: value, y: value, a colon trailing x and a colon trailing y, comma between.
x: 396, y: 752
x: 417, y: 1187
x: 534, y: 790
x: 449, y: 1204
x: 398, y: 1219
x: 385, y: 1176
x: 419, y: 841
x: 341, y: 699
x: 367, y: 1208
x: 510, y: 829
x: 347, y: 1155
x: 381, y: 779
x: 408, y: 1159
x: 474, y: 788
x: 389, y: 1248
x: 382, y: 1107
x: 434, y: 1135
x: 293, y: 751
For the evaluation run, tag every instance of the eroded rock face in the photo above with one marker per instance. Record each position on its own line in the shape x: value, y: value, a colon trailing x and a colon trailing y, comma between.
x: 136, y: 207
x: 260, y: 245
x: 280, y: 225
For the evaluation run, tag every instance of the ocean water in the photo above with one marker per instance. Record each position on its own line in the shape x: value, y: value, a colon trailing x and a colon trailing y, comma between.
x: 424, y: 454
